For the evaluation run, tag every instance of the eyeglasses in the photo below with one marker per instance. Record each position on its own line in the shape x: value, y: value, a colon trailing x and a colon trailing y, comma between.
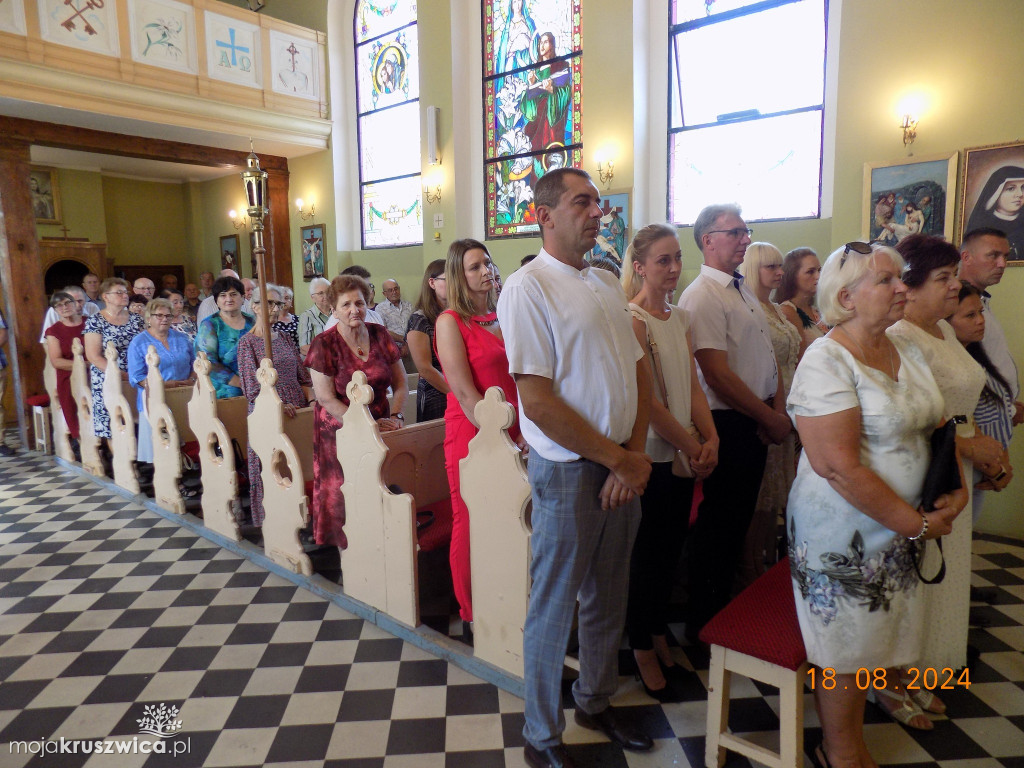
x: 857, y: 247
x: 734, y: 232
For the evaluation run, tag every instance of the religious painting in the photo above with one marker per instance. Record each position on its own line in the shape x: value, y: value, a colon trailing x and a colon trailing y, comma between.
x: 233, y: 51
x: 229, y: 247
x: 532, y: 104
x: 83, y: 24
x: 12, y: 16
x: 312, y: 251
x: 295, y: 64
x: 613, y: 236
x: 42, y: 182
x: 163, y: 34
x: 993, y: 194
x: 908, y: 197
x: 388, y: 103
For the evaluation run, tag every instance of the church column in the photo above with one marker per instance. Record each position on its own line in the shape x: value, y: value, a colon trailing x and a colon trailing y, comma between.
x: 21, y: 272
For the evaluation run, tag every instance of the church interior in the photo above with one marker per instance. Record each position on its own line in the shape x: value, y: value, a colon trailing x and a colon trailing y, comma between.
x: 109, y: 606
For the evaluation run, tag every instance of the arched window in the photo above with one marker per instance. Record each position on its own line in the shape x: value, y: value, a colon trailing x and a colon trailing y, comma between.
x: 746, y: 111
x: 388, y: 106
x: 532, y: 96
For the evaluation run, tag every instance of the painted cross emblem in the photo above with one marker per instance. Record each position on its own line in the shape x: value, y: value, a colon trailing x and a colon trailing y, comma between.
x: 69, y: 24
x: 293, y: 51
x: 221, y: 44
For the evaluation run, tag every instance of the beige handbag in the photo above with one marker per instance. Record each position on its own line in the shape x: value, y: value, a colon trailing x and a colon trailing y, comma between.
x: 680, y: 462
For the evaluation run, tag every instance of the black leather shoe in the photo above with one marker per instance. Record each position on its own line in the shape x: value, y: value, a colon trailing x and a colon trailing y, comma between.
x: 552, y: 757
x: 620, y: 733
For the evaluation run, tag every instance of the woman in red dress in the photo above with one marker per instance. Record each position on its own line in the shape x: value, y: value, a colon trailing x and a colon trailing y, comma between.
x: 472, y: 354
x: 333, y: 357
x: 59, y: 336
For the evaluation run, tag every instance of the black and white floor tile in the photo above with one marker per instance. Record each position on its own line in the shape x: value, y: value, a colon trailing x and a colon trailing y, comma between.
x: 109, y: 611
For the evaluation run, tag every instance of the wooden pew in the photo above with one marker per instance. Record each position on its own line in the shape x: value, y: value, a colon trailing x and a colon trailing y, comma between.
x: 122, y: 424
x: 284, y: 497
x: 61, y: 433
x: 166, y: 441
x: 496, y: 491
x: 82, y: 392
x: 216, y: 457
x: 379, y: 566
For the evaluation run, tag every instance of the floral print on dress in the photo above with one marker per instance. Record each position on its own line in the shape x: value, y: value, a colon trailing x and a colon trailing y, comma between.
x: 871, y: 582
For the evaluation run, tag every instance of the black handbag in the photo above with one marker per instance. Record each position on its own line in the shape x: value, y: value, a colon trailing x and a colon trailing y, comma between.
x: 943, y: 476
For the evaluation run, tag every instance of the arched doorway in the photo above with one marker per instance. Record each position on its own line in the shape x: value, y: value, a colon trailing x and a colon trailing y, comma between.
x: 62, y: 273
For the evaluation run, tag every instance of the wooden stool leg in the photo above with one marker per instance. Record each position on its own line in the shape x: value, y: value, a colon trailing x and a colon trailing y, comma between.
x: 791, y: 719
x: 718, y: 708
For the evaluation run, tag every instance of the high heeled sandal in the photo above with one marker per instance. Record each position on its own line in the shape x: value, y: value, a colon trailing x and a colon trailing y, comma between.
x: 906, y: 710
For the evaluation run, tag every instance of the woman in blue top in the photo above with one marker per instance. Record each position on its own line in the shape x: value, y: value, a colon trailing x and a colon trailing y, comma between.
x: 219, y: 334
x: 175, y: 351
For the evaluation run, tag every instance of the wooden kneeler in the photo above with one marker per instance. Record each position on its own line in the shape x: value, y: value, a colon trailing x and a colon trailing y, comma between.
x: 216, y: 456
x: 496, y: 491
x: 379, y: 566
x: 166, y: 441
x: 757, y: 635
x: 284, y: 497
x: 122, y: 424
x: 81, y: 391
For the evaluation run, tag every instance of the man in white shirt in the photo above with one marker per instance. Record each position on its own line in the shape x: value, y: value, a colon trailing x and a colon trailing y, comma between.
x: 86, y: 307
x: 395, y: 312
x: 568, y: 335
x: 739, y: 375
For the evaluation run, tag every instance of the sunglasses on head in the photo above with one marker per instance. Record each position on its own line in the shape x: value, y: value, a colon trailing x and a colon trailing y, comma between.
x: 857, y: 247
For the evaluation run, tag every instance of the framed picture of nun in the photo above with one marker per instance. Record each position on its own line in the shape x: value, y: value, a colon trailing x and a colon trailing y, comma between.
x: 993, y: 194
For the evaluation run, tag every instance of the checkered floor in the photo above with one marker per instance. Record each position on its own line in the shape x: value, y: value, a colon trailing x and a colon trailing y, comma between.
x: 108, y: 610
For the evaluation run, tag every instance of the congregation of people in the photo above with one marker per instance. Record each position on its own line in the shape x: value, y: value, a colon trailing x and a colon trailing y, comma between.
x: 794, y: 397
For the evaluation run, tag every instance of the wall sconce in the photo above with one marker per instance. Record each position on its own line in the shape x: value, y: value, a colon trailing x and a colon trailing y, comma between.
x: 302, y: 214
x: 606, y: 171
x: 909, y: 125
x: 432, y: 186
x: 238, y: 222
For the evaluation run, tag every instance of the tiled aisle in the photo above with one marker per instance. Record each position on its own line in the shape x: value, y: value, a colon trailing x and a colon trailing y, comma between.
x: 107, y: 608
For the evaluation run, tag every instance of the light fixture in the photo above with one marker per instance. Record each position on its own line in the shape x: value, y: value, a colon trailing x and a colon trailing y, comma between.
x: 238, y: 222
x: 605, y: 167
x: 432, y: 186
x: 302, y: 214
x: 908, y: 123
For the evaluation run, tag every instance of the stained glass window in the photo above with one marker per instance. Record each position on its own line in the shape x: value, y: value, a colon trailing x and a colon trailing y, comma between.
x: 532, y: 64
x: 388, y: 106
x: 750, y: 135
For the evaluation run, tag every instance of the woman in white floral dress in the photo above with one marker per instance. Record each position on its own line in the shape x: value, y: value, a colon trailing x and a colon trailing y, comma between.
x: 865, y: 406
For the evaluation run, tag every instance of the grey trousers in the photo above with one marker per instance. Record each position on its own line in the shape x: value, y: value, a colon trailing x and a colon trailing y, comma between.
x: 578, y: 550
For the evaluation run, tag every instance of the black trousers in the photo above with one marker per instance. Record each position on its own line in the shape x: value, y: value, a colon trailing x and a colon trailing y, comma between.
x: 664, y: 520
x: 730, y: 495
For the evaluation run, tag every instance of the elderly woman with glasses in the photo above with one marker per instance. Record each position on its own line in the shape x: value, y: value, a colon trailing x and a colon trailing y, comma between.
x: 175, y: 351
x: 59, y: 337
x: 865, y: 405
x: 219, y: 334
x: 291, y: 377
x: 114, y: 324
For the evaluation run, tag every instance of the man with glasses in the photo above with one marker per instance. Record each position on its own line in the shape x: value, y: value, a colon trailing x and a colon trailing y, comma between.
x: 396, y: 312
x: 313, y: 320
x: 739, y: 375
x: 82, y: 303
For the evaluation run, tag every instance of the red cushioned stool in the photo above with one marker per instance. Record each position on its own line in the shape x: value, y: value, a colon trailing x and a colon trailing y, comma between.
x: 40, y: 405
x: 757, y: 636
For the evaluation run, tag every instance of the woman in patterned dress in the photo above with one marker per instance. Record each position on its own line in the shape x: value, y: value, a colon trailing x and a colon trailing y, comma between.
x: 291, y: 376
x: 865, y: 406
x: 334, y: 355
x: 762, y: 267
x: 114, y: 324
x: 219, y: 334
